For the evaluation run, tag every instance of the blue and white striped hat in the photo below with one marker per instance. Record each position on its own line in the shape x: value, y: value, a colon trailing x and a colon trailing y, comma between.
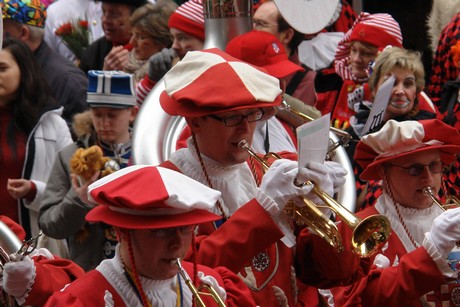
x: 111, y: 89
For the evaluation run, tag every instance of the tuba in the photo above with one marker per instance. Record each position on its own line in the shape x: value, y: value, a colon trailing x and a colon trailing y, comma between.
x: 9, y: 243
x: 200, y: 291
x: 224, y: 20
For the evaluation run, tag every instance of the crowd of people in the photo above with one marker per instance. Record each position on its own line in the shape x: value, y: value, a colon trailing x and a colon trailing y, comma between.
x: 222, y: 221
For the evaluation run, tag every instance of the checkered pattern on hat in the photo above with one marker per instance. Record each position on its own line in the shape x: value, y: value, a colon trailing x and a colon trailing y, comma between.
x: 150, y: 197
x: 211, y: 81
x: 379, y: 30
x: 29, y: 12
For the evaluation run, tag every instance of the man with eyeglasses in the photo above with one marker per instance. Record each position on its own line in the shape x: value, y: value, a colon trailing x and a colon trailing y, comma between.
x: 222, y: 99
x: 419, y: 266
x: 154, y: 211
x: 300, y: 84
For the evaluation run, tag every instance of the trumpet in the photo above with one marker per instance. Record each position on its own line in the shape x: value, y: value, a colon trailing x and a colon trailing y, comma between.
x: 369, y: 234
x: 198, y: 292
x: 451, y: 201
x: 298, y: 118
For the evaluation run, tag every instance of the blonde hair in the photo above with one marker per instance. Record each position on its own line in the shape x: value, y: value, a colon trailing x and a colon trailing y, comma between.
x: 395, y: 57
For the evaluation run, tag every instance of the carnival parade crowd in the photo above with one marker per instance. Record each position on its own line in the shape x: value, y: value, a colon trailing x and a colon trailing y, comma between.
x: 230, y: 217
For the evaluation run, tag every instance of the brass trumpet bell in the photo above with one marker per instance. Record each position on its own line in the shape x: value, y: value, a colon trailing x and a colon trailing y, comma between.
x: 368, y: 234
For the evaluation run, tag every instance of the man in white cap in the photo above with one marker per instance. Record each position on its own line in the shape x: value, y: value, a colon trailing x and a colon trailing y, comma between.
x: 155, y: 212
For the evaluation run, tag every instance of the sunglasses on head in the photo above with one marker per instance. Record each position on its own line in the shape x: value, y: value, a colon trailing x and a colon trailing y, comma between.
x: 417, y: 169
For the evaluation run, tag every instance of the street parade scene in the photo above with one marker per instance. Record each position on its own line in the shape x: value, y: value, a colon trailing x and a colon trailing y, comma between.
x: 200, y: 153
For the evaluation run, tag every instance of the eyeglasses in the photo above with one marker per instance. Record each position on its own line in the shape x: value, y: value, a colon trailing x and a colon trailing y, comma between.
x: 169, y: 232
x: 235, y: 120
x: 261, y: 24
x: 417, y: 169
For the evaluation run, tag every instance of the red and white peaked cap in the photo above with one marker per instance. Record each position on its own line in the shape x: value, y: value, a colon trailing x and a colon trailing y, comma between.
x: 398, y: 139
x: 211, y: 81
x: 150, y: 197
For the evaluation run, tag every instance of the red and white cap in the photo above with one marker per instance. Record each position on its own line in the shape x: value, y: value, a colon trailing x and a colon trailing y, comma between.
x: 211, y: 81
x: 262, y: 49
x: 189, y: 18
x: 398, y: 139
x: 379, y: 30
x: 150, y: 197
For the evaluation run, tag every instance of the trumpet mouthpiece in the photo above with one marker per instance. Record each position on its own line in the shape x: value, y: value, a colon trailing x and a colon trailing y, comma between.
x: 175, y: 262
x: 243, y: 144
x: 428, y: 190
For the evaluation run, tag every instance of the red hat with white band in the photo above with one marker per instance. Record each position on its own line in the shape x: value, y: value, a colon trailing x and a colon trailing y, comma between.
x: 189, y: 18
x: 398, y: 139
x: 211, y: 81
x: 150, y: 197
x: 379, y: 30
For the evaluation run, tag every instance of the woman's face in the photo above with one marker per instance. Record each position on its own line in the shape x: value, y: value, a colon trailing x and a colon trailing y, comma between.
x: 144, y: 45
x: 361, y: 54
x: 10, y: 77
x: 403, y: 95
x: 407, y: 190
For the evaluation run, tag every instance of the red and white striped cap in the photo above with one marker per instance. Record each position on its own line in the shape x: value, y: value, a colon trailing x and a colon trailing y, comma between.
x: 211, y: 81
x: 189, y: 18
x: 379, y: 30
x: 150, y: 197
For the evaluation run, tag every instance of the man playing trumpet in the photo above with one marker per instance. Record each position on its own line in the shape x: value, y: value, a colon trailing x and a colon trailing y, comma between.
x: 155, y: 211
x: 222, y: 99
x: 419, y: 265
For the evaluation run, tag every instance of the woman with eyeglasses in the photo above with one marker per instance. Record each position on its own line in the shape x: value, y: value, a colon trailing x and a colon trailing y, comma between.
x: 419, y: 264
x: 404, y: 104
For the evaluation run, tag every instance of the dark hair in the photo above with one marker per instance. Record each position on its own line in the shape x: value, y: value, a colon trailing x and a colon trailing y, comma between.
x: 33, y: 95
x: 297, y: 38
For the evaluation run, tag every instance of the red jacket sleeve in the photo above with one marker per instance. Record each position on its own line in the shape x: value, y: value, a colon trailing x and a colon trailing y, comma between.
x: 51, y: 275
x: 249, y: 231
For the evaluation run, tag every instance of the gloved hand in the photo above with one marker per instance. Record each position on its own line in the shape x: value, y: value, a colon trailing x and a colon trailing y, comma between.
x: 160, y: 63
x: 445, y: 231
x: 328, y: 175
x: 278, y: 182
x: 18, y: 276
x: 211, y: 281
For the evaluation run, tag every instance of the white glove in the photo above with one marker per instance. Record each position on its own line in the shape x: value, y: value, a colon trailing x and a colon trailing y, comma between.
x: 18, y: 277
x: 278, y: 182
x: 328, y: 175
x: 445, y: 231
x: 211, y: 281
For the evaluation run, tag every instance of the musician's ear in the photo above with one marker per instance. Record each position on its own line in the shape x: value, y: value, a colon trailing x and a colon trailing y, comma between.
x: 194, y: 123
x: 286, y: 37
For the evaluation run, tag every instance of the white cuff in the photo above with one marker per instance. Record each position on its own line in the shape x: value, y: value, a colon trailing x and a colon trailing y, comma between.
x: 440, y: 261
x: 279, y: 217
